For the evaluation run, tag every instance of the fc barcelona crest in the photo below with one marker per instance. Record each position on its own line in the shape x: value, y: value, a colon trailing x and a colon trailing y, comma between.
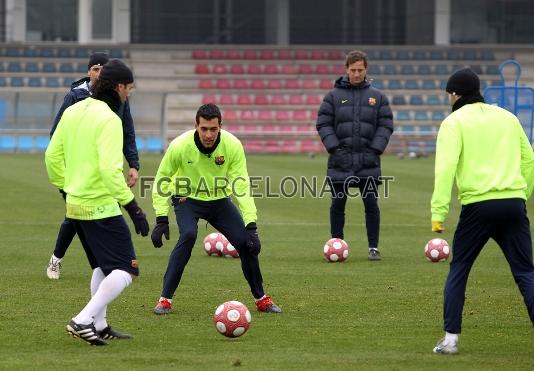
x: 219, y: 160
x: 372, y: 101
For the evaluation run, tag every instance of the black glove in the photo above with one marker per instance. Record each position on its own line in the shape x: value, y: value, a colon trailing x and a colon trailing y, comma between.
x: 138, y: 218
x: 161, y: 228
x: 63, y: 194
x: 253, y: 240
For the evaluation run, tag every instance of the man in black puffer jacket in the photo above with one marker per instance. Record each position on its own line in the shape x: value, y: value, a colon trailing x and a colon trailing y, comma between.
x: 355, y: 123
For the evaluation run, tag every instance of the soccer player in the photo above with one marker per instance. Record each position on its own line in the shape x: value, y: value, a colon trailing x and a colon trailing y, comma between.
x: 79, y: 91
x: 84, y: 158
x: 485, y: 149
x: 200, y: 170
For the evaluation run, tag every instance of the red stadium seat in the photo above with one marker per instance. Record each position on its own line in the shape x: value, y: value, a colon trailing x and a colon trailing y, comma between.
x: 270, y: 69
x: 232, y: 128
x: 278, y: 100
x: 250, y: 54
x: 292, y: 84
x: 233, y: 54
x: 282, y: 115
x: 266, y: 54
x: 335, y: 54
x: 274, y: 84
x: 240, y: 84
x: 322, y: 69
x: 257, y: 84
x: 202, y: 69
x: 254, y: 69
x: 326, y: 84
x: 209, y: 98
x: 287, y: 129
x: 309, y: 84
x: 290, y: 146
x: 339, y: 69
x: 319, y: 54
x: 265, y: 115
x: 227, y: 99
x: 284, y: 54
x: 305, y: 69
x: 223, y: 84
x: 217, y: 54
x: 296, y: 99
x: 306, y: 129
x: 251, y: 129
x: 244, y: 100
x: 301, y: 54
x: 261, y: 100
x: 269, y: 129
x: 229, y: 115
x: 313, y: 100
x: 253, y: 145
x: 219, y: 69
x: 313, y: 115
x: 237, y: 69
x: 289, y: 69
x: 311, y: 145
x: 300, y: 115
x: 247, y: 115
x: 205, y: 84
x: 272, y: 146
x: 199, y: 54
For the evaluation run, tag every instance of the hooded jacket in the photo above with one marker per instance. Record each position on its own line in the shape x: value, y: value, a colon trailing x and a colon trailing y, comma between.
x: 355, y: 123
x: 78, y: 92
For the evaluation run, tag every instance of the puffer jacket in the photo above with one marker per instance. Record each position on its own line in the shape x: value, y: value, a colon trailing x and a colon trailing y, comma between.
x: 355, y: 123
x: 78, y: 92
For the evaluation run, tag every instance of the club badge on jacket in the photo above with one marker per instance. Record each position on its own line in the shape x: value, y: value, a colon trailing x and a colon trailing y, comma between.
x: 372, y: 101
x: 219, y: 160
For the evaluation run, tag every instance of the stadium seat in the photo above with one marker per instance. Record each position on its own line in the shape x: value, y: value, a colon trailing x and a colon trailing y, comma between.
x: 403, y: 116
x: 394, y: 84
x: 437, y: 55
x: 66, y: 68
x: 282, y: 115
x: 226, y: 99
x: 140, y: 143
x: 305, y: 69
x: 313, y: 100
x: 470, y: 55
x: 116, y: 53
x: 247, y: 115
x: 154, y: 144
x: 433, y: 100
x: 416, y: 100
x: 289, y: 69
x: 237, y: 69
x: 250, y: 54
x: 278, y: 100
x: 420, y: 55
x: 219, y: 69
x: 41, y: 143
x: 242, y: 84
x: 265, y: 115
x: 301, y: 54
x: 52, y: 82
x: 223, y: 84
x: 386, y: 55
x: 398, y: 100
x: 3, y: 81
x: 374, y: 69
x: 261, y: 100
x: 217, y: 54
x: 81, y: 53
x: 230, y: 115
x: 205, y: 84
x: 35, y: 82
x: 411, y: 84
x: 476, y: 68
x: 17, y: 82
x: 51, y: 53
x: 289, y: 146
x: 300, y: 115
x: 326, y: 84
x: 65, y: 53
x: 487, y: 55
x: 438, y: 116
x: 421, y: 116
x: 403, y: 55
x: 14, y: 67
x: 319, y: 54
x: 209, y: 98
x: 284, y: 54
x: 199, y: 54
x: 454, y: 55
x: 335, y: 55
x: 7, y: 143
x: 254, y: 69
x: 407, y: 69
x: 296, y: 100
x: 492, y: 70
x: 81, y: 68
x: 339, y: 69
x: 441, y: 69
x: 378, y: 84
x: 49, y: 67
x: 390, y: 69
x: 202, y: 69
x: 309, y: 84
x: 424, y: 69
x: 13, y: 52
x: 271, y: 69
x: 260, y: 84
x: 31, y: 67
x: 266, y: 54
x: 233, y: 54
x: 292, y: 84
x: 244, y: 100
x: 322, y: 69
x: 25, y: 143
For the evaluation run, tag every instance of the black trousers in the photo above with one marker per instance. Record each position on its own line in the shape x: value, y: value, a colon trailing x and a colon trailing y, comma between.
x: 224, y: 216
x: 66, y: 233
x: 337, y: 212
x: 506, y: 222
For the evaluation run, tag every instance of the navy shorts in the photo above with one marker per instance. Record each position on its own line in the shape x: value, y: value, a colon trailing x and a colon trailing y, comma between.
x: 108, y: 244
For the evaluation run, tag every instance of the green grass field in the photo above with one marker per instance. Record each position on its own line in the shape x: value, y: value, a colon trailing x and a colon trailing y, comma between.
x: 354, y: 315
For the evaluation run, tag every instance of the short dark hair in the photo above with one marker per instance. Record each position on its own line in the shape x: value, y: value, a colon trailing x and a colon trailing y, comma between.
x: 208, y: 111
x: 355, y: 56
x: 101, y: 85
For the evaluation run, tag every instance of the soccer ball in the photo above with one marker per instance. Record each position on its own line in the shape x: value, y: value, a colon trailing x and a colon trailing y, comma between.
x: 214, y: 243
x: 232, y: 319
x: 336, y: 250
x: 229, y: 251
x: 437, y: 250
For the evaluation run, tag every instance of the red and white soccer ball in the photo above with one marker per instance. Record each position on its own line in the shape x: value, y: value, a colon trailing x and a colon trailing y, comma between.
x: 214, y: 243
x: 232, y: 319
x: 437, y: 250
x: 336, y: 250
x: 229, y: 251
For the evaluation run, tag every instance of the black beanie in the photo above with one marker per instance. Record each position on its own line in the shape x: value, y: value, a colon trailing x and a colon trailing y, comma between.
x: 116, y: 72
x: 97, y: 59
x: 463, y: 82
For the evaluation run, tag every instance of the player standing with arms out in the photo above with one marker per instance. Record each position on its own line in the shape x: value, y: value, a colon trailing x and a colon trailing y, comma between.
x: 486, y: 150
x: 200, y: 170
x: 84, y: 158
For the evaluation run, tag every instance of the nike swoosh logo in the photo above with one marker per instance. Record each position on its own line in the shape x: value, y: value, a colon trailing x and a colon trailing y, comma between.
x: 344, y: 101
x: 189, y: 162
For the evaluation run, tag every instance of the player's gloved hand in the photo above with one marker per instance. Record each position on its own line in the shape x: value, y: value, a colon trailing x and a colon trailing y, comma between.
x: 161, y: 228
x: 138, y: 218
x: 63, y: 194
x: 253, y: 240
x: 437, y: 226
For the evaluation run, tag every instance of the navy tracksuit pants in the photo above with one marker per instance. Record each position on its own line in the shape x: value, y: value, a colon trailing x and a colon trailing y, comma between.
x: 506, y: 222
x: 224, y: 216
x: 66, y: 233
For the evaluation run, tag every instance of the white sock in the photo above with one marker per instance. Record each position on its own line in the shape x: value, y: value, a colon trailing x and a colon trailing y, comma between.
x: 451, y: 338
x: 96, y: 280
x: 55, y: 259
x: 263, y: 297
x: 108, y: 290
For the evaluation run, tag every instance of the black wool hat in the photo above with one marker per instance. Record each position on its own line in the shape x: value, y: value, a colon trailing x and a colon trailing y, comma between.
x: 463, y: 82
x: 97, y: 59
x: 116, y: 72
